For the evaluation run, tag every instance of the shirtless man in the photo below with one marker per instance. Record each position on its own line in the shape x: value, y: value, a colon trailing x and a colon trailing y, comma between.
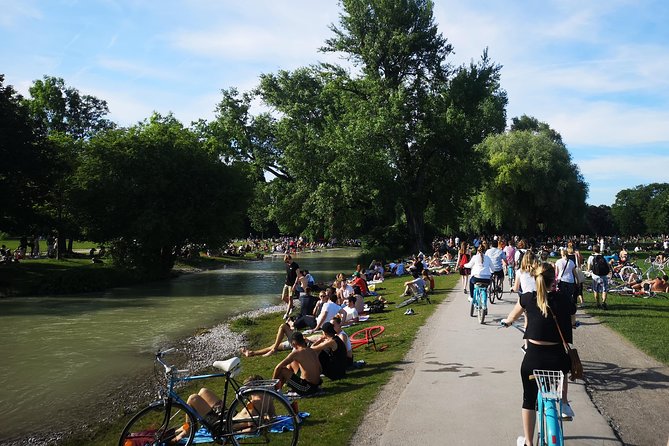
x: 301, y: 369
x: 285, y: 330
x: 658, y: 285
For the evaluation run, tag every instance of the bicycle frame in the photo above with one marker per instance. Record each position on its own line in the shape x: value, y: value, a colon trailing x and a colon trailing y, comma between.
x: 549, y: 411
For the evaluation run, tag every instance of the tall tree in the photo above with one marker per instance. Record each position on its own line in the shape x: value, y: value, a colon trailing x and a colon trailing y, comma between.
x: 152, y: 188
x: 599, y: 220
x: 23, y: 168
x: 67, y: 119
x: 531, y: 184
x: 642, y: 209
x: 421, y: 113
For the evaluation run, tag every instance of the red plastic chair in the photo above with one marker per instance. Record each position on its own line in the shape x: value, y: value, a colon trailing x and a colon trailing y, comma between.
x: 366, y: 336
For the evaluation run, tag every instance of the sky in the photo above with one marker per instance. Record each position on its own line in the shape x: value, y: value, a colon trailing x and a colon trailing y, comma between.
x: 596, y: 71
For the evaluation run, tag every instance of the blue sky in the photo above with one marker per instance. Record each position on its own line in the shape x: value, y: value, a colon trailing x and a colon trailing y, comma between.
x: 596, y: 71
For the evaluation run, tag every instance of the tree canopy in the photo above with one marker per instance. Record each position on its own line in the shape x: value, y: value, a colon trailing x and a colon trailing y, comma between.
x: 152, y: 188
x: 529, y: 185
x: 643, y: 209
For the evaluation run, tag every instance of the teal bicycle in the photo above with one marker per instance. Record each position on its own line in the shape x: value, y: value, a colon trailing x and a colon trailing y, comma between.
x: 549, y: 407
x: 511, y: 274
x: 479, y: 305
x: 257, y: 413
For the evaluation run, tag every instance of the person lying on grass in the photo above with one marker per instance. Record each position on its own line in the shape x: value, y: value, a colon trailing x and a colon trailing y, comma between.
x: 285, y: 330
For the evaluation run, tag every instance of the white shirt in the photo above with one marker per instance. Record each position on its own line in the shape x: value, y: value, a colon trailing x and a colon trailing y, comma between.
x: 527, y: 282
x: 568, y: 274
x: 496, y: 256
x: 480, y: 269
x: 351, y: 313
x: 330, y: 310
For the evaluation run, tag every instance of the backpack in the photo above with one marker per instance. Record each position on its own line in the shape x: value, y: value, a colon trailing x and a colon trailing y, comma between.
x: 600, y: 266
x: 376, y: 306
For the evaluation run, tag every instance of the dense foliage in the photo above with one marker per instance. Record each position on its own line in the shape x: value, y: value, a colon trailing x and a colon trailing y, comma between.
x: 398, y: 148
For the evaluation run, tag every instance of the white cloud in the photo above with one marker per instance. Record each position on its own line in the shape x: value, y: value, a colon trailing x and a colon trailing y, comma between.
x: 135, y: 69
x: 627, y: 168
x: 14, y: 13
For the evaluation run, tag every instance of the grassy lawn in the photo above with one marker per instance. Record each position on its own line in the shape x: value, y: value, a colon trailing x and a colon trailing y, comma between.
x: 13, y: 243
x: 344, y: 400
x: 644, y: 322
x: 79, y: 275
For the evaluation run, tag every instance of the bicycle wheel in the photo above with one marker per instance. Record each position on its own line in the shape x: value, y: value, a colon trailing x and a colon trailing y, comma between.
x: 627, y: 271
x: 654, y: 272
x: 410, y: 300
x: 260, y: 415
x: 158, y: 425
x: 511, y: 277
x: 481, y: 307
x: 491, y: 290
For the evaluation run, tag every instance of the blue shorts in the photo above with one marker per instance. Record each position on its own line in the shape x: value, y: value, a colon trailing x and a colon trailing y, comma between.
x: 600, y: 284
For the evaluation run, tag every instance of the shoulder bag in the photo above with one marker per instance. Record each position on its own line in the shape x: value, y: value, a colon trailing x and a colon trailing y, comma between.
x: 576, y: 366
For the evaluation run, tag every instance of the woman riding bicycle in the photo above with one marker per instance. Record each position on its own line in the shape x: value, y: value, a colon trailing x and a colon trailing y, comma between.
x: 545, y: 350
x: 481, y: 269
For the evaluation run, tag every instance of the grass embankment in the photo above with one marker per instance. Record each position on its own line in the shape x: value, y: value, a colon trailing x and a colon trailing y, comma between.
x: 335, y: 414
x: 77, y: 274
x: 644, y: 322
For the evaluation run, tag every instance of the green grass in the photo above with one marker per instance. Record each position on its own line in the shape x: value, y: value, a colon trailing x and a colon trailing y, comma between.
x: 345, y: 402
x: 13, y: 243
x: 644, y: 322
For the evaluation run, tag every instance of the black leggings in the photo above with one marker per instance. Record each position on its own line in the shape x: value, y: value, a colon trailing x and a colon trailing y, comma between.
x: 540, y: 357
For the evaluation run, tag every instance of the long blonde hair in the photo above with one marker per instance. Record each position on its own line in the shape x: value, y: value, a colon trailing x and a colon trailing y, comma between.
x: 528, y: 262
x: 544, y: 275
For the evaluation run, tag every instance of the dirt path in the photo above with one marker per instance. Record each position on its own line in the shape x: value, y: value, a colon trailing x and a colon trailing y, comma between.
x: 630, y: 389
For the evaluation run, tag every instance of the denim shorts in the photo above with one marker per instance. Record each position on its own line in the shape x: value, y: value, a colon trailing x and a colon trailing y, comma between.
x: 600, y: 284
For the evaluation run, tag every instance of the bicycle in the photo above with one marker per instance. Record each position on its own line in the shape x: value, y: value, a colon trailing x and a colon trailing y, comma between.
x: 656, y: 269
x: 511, y: 273
x: 257, y: 413
x: 479, y: 303
x: 414, y: 298
x: 549, y: 405
x: 496, y: 288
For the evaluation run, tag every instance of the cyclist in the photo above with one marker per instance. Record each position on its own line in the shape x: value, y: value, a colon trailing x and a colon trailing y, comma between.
x: 544, y: 347
x: 481, y: 268
x: 496, y: 256
x: 510, y: 254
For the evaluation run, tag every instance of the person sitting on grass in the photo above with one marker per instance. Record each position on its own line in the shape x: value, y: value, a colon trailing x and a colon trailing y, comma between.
x: 208, y: 405
x: 301, y: 369
x: 336, y: 322
x: 352, y: 315
x: 415, y: 287
x: 429, y: 281
x: 331, y: 353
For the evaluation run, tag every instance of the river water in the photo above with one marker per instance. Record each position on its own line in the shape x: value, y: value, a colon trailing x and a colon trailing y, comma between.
x: 60, y: 354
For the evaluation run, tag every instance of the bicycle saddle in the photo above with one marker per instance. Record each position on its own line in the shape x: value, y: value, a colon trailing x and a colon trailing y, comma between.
x: 228, y: 365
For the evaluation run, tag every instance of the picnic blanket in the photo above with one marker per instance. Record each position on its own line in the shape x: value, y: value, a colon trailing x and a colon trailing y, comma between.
x: 284, y: 424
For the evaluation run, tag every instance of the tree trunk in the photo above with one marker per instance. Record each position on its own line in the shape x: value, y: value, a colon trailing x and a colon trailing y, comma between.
x: 70, y: 242
x: 416, y: 226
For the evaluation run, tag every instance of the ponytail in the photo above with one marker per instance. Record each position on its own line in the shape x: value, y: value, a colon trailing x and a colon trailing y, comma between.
x: 544, y: 275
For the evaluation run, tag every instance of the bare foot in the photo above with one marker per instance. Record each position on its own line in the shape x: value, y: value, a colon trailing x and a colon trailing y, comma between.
x: 246, y: 352
x: 270, y: 353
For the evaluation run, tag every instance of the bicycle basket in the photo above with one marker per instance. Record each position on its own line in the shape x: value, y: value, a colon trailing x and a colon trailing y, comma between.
x: 549, y: 383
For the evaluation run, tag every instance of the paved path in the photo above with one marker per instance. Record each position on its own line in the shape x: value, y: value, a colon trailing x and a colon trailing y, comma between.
x: 461, y: 385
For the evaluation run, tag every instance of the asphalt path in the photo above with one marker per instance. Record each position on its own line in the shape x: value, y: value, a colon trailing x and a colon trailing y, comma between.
x: 460, y: 384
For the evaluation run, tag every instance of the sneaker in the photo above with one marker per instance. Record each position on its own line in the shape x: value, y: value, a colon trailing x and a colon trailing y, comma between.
x: 520, y: 441
x: 604, y: 306
x: 567, y: 412
x: 409, y: 312
x: 469, y: 298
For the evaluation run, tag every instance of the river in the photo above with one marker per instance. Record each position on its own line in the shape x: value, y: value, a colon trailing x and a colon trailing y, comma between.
x: 61, y: 354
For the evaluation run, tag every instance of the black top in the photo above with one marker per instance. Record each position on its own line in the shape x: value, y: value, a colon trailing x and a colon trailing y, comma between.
x: 291, y: 273
x: 542, y: 328
x: 334, y: 362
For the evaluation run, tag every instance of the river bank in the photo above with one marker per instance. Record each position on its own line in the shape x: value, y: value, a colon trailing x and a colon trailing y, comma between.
x: 194, y: 353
